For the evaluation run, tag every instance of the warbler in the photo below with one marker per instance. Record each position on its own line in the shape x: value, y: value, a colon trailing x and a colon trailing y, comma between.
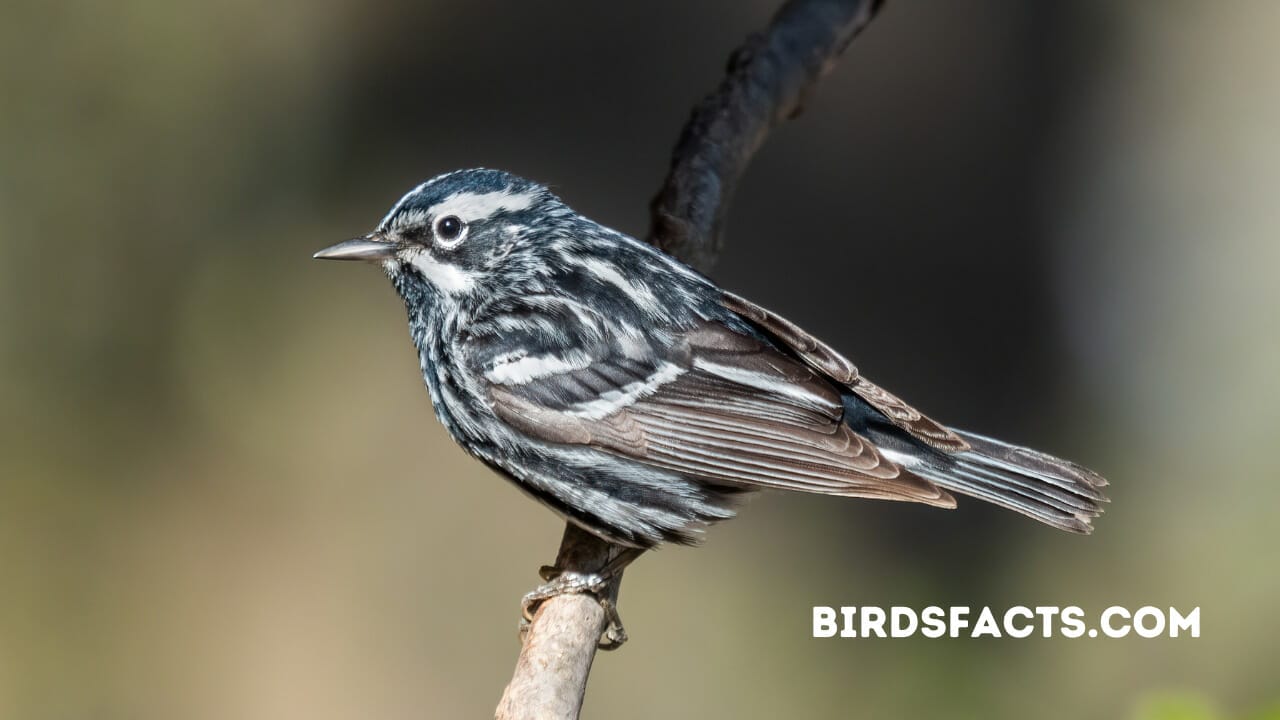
x: 636, y: 398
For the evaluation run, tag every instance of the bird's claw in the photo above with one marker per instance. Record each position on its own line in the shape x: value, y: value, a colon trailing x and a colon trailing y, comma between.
x: 560, y: 582
x: 614, y: 634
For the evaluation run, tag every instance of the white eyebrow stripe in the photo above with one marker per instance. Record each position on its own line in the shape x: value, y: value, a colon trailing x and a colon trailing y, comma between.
x: 400, y: 203
x: 408, y: 218
x: 472, y: 206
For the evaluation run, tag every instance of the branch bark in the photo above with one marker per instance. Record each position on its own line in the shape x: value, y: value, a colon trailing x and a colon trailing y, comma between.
x: 766, y: 83
x: 550, y: 679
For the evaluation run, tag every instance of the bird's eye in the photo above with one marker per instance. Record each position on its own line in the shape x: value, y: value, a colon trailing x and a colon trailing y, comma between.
x: 449, y: 227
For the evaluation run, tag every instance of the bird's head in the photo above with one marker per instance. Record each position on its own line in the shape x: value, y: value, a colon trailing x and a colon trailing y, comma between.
x: 447, y: 236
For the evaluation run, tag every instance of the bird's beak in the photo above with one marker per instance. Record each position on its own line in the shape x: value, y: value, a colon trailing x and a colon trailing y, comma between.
x: 370, y: 248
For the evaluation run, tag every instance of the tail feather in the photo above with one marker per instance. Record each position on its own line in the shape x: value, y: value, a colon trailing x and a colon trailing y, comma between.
x: 1056, y: 492
x: 1033, y: 488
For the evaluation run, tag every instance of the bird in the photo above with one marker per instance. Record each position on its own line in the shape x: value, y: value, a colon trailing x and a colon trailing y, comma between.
x: 636, y: 398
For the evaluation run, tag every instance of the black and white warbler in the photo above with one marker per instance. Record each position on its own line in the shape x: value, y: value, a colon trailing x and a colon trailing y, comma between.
x: 636, y: 398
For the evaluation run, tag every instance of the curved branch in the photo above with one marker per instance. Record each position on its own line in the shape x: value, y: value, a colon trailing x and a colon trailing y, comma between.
x: 767, y: 82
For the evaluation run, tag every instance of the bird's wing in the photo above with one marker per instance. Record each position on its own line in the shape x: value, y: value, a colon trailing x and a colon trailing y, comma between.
x: 704, y: 401
x: 821, y: 357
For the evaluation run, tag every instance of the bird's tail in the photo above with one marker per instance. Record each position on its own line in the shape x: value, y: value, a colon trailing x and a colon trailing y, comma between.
x: 1055, y: 492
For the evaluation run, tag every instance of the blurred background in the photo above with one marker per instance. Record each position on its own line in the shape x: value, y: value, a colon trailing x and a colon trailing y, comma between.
x: 222, y: 490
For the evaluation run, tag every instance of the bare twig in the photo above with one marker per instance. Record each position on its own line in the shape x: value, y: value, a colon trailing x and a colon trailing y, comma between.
x: 767, y: 81
x: 550, y: 679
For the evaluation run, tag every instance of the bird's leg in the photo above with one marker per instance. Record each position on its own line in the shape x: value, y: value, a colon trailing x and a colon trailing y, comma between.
x: 565, y: 582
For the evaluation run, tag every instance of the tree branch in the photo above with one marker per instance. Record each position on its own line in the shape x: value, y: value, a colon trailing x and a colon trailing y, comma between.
x: 766, y: 83
x: 550, y: 679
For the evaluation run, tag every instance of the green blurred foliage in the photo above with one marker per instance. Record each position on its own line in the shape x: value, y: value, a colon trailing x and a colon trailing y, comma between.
x: 1184, y: 706
x: 1176, y: 707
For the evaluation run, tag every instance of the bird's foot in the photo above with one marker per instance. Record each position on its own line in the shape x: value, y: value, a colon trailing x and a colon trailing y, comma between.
x: 569, y: 582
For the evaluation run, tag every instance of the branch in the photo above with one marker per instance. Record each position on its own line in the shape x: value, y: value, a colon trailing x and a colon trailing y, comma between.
x: 550, y: 679
x: 767, y: 82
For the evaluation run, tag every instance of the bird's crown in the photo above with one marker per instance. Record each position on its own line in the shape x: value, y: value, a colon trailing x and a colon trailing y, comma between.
x: 472, y: 195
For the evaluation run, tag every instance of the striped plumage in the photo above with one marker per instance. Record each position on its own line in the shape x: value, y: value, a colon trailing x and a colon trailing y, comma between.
x: 630, y: 394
